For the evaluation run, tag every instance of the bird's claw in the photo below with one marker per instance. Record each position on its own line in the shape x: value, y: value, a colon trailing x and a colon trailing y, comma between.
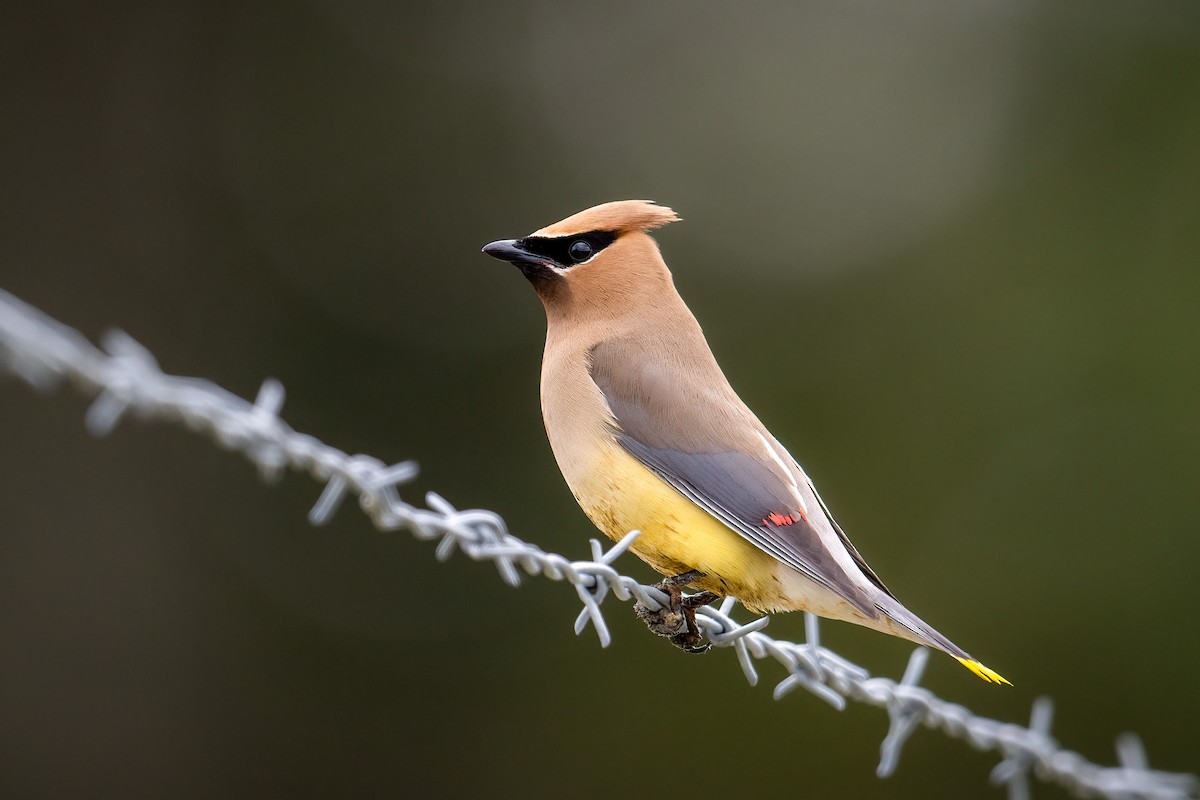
x: 677, y: 620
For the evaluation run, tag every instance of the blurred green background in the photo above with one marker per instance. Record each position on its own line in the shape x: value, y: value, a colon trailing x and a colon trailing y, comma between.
x: 946, y: 251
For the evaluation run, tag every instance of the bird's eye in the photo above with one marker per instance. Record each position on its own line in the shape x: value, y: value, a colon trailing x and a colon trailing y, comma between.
x: 580, y: 250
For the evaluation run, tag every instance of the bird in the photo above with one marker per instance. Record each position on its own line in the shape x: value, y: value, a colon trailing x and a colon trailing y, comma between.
x: 650, y: 436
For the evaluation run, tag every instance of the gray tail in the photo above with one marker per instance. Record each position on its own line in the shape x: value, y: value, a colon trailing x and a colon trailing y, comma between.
x: 915, y: 629
x: 908, y: 625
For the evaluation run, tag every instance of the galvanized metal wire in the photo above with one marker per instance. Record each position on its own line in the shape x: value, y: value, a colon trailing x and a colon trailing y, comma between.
x: 126, y: 381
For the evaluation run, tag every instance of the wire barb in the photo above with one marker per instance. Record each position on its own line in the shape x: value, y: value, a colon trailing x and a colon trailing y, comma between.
x: 904, y: 712
x: 126, y: 379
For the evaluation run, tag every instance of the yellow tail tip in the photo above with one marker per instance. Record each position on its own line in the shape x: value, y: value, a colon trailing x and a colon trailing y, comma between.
x: 989, y: 675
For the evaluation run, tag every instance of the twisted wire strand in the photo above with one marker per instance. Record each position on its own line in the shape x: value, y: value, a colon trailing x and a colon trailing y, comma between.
x: 126, y: 380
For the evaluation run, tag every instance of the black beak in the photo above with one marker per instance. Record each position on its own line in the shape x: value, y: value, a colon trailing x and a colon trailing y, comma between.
x: 513, y: 252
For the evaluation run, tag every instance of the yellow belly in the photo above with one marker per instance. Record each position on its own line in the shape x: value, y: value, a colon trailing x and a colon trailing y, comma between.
x: 620, y: 495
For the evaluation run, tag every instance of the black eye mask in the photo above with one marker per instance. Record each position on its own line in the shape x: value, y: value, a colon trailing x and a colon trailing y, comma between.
x: 567, y: 251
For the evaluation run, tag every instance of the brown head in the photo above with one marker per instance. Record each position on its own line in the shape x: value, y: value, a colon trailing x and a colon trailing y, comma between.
x: 599, y: 259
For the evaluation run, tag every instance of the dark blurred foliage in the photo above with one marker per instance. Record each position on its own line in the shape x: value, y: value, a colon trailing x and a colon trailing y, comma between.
x: 946, y: 251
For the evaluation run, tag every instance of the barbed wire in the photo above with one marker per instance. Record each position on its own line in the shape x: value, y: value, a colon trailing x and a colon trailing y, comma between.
x: 126, y: 380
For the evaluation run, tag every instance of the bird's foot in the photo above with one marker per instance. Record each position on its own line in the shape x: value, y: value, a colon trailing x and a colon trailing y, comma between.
x: 677, y: 620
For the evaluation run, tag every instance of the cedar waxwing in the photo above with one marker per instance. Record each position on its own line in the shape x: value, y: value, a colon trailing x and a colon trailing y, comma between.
x: 650, y: 436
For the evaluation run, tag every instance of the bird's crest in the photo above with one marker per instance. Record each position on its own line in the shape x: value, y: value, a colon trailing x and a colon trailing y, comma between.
x: 621, y: 216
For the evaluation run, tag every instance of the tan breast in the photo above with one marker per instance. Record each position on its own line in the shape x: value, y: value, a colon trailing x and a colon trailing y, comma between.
x: 576, y: 416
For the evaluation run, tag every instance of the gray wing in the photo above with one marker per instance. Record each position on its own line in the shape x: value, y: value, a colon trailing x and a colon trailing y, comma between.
x: 671, y: 432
